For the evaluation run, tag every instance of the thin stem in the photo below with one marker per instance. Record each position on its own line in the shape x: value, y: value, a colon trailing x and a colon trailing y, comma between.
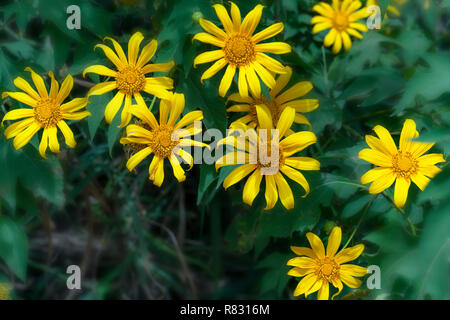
x: 366, y: 209
x: 410, y: 223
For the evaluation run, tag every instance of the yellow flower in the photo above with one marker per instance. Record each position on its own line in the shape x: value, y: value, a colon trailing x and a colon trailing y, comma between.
x: 163, y: 139
x: 320, y: 268
x: 392, y: 9
x: 278, y: 102
x: 48, y: 112
x: 240, y: 49
x: 256, y: 155
x: 401, y: 165
x: 341, y: 18
x: 4, y: 292
x: 130, y: 77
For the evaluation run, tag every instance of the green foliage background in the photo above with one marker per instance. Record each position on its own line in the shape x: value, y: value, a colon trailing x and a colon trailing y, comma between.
x: 194, y: 240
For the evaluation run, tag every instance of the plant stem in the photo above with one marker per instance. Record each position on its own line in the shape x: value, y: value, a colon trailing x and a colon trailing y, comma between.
x: 366, y: 209
x: 410, y: 223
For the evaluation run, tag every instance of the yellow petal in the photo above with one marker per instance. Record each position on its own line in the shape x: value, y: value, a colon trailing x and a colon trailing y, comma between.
x: 133, y: 47
x: 111, y: 56
x: 147, y: 53
x: 53, y: 139
x: 38, y: 82
x: 235, y: 16
x: 268, y: 32
x: 297, y: 142
x: 43, y: 144
x: 296, y: 91
x: 210, y: 27
x: 375, y: 174
x: 251, y: 188
x: 178, y: 103
x: 207, y: 38
x: 223, y: 16
x: 18, y: 114
x: 125, y: 116
x: 101, y: 70
x: 68, y: 134
x: 158, y: 67
x: 178, y: 172
x: 303, y: 251
x: 119, y: 50
x: 285, y: 121
x: 25, y: 86
x: 216, y: 67
x: 337, y: 43
x: 264, y: 74
x: 349, y: 254
x: 302, y: 262
x: 22, y: 97
x: 303, y: 163
x: 305, y: 284
x: 401, y: 191
x: 273, y: 47
x: 271, y: 194
x: 350, y: 281
x: 346, y: 41
x: 253, y: 81
x: 189, y: 118
x: 238, y: 174
x: 251, y: 20
x: 25, y: 136
x: 408, y: 133
x: 208, y: 56
x: 285, y: 192
x: 334, y: 241
x: 382, y: 183
x: 316, y: 244
x: 324, y: 292
x: 353, y: 270
x: 270, y: 63
x: 113, y: 107
x: 297, y: 176
x: 322, y: 26
x: 227, y: 78
x: 17, y: 127
x: 242, y: 83
x: 375, y: 157
x: 102, y: 88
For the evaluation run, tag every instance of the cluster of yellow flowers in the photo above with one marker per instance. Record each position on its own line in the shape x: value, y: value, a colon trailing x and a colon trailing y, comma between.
x: 242, y: 51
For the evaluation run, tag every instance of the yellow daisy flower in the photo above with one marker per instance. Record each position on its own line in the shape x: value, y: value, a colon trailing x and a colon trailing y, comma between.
x: 163, y: 139
x: 341, y: 19
x: 403, y: 165
x: 392, y: 9
x: 320, y: 268
x: 130, y: 77
x: 47, y: 112
x: 255, y: 155
x: 240, y: 49
x: 278, y: 102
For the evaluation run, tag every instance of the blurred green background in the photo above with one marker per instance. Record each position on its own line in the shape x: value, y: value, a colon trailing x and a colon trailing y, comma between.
x: 133, y: 240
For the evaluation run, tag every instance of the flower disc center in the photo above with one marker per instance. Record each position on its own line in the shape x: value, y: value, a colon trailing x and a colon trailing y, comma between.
x: 340, y: 21
x: 163, y: 141
x: 327, y: 269
x: 47, y: 113
x: 404, y: 164
x: 130, y: 80
x: 239, y: 50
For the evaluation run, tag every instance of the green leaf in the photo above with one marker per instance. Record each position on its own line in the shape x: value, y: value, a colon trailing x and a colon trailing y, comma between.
x: 13, y: 246
x: 355, y: 206
x: 97, y: 106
